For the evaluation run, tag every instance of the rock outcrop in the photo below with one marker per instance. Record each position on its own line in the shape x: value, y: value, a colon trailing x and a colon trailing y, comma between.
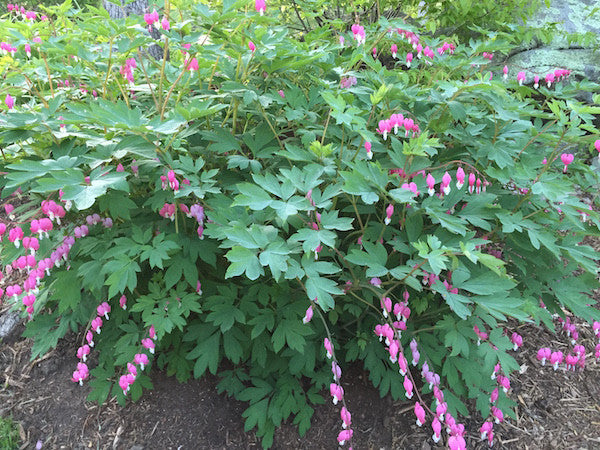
x: 570, y: 17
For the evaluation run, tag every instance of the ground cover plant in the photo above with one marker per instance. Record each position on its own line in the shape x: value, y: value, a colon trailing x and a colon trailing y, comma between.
x: 269, y: 208
x: 9, y: 434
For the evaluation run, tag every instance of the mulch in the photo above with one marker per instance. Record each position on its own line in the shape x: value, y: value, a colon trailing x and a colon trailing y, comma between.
x: 555, y: 409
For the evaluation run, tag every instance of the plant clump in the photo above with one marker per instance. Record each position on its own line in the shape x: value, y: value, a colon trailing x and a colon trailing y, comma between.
x: 292, y: 206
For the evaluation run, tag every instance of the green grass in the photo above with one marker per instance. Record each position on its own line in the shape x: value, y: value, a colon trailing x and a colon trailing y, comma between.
x: 9, y: 434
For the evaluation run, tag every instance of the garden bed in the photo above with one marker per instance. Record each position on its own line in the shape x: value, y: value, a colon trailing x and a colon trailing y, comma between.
x: 555, y: 409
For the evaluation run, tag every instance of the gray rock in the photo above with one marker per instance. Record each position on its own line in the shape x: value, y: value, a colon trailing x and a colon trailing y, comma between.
x: 8, y: 322
x: 570, y: 16
x: 123, y: 9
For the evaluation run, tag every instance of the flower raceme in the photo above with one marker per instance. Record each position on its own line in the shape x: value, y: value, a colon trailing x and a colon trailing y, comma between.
x: 395, y: 122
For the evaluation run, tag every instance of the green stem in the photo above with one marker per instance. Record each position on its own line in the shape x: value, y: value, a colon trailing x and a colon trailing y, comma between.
x: 110, y: 46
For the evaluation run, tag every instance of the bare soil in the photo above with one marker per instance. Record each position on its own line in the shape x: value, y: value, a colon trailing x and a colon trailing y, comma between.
x: 555, y: 410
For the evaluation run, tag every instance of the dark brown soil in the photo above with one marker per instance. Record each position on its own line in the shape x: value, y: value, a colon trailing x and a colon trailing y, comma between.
x: 51, y: 408
x: 554, y: 409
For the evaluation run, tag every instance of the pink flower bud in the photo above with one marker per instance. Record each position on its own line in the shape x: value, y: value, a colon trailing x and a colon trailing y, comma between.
x: 420, y: 413
x: 460, y: 178
x: 148, y: 343
x: 556, y: 358
x: 486, y: 428
x: 192, y: 65
x: 308, y: 315
x: 103, y: 309
x: 328, y: 347
x: 388, y: 214
x: 124, y: 384
x: 445, y: 186
x: 343, y: 436
x: 96, y: 324
x: 504, y: 383
x: 337, y: 392
x: 517, y: 341
x: 141, y: 359
x: 430, y: 184
x: 436, y: 426
x: 408, y: 387
x: 402, y: 364
x: 260, y: 6
x: 10, y: 101
x: 497, y: 414
x: 393, y: 350
x: 386, y: 306
x: 346, y: 417
x: 566, y: 158
x: 370, y: 153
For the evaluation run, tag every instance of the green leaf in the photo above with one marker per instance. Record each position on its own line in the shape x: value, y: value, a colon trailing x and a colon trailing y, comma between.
x: 487, y: 283
x: 66, y: 289
x: 232, y: 347
x: 207, y: 355
x: 458, y: 303
x: 492, y: 263
x: 291, y: 332
x: 252, y: 196
x: 159, y: 253
x: 449, y: 222
x: 122, y: 275
x: 276, y: 257
x: 322, y: 289
x: 302, y: 419
x: 331, y: 221
x: 243, y: 261
x: 224, y: 315
x: 356, y: 184
x: 179, y: 266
